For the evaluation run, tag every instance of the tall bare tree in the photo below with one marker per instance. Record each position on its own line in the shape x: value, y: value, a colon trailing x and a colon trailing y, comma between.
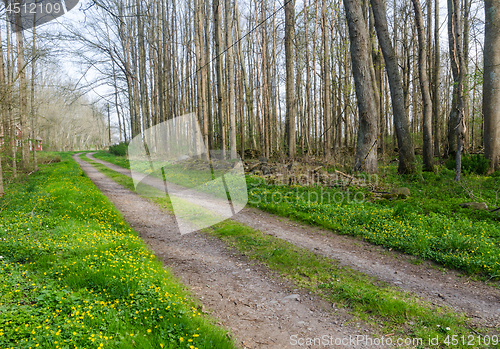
x: 428, y: 152
x: 218, y: 68
x: 457, y: 121
x: 3, y: 124
x: 230, y: 78
x: 23, y: 105
x: 366, y: 151
x: 290, y: 84
x: 491, y: 88
x: 32, y: 102
x: 10, y: 115
x: 327, y: 112
x: 436, y: 101
x: 401, y: 121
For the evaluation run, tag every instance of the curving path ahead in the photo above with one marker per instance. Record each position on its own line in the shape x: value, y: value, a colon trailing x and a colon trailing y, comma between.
x: 477, y: 299
x: 259, y: 308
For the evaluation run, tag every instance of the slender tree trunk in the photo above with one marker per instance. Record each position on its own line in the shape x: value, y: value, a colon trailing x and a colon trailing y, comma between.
x: 207, y: 124
x: 405, y: 144
x: 315, y: 94
x: 117, y: 105
x: 428, y: 152
x: 290, y: 84
x: 366, y: 152
x: 453, y: 27
x: 275, y: 129
x: 143, y: 85
x: 32, y: 102
x: 4, y: 126
x: 457, y: 65
x: 197, y: 44
x: 23, y: 105
x: 124, y: 38
x: 266, y: 118
x: 429, y: 42
x: 201, y: 75
x: 326, y: 84
x: 3, y: 123
x: 10, y: 116
x: 491, y: 88
x: 230, y: 82
x: 377, y: 65
x: 308, y: 80
x: 436, y: 95
x: 241, y: 91
x: 466, y: 29
x: 244, y: 77
x: 218, y: 67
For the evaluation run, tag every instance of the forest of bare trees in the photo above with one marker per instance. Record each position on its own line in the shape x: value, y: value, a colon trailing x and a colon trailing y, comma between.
x: 38, y: 101
x: 324, y: 78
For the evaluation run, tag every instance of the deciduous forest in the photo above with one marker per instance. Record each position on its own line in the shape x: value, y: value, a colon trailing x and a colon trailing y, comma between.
x: 344, y: 183
x: 296, y: 79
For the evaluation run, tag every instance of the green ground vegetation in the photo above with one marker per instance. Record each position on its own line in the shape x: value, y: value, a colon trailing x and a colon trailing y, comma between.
x: 74, y: 274
x: 429, y: 223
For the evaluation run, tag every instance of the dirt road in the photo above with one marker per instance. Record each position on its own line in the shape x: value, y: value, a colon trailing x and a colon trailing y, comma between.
x: 258, y: 307
x: 262, y: 310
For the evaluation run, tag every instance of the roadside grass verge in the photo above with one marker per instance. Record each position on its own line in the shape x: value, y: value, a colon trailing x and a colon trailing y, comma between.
x: 464, y: 243
x: 386, y: 308
x: 73, y: 274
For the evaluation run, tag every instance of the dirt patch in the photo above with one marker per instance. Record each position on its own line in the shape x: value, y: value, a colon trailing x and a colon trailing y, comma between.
x: 258, y: 307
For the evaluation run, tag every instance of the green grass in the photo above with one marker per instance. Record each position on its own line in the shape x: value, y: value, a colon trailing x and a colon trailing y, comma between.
x: 375, y: 302
x: 73, y: 273
x: 117, y: 160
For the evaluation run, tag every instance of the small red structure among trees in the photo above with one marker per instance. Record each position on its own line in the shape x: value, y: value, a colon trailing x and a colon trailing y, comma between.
x: 38, y: 141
